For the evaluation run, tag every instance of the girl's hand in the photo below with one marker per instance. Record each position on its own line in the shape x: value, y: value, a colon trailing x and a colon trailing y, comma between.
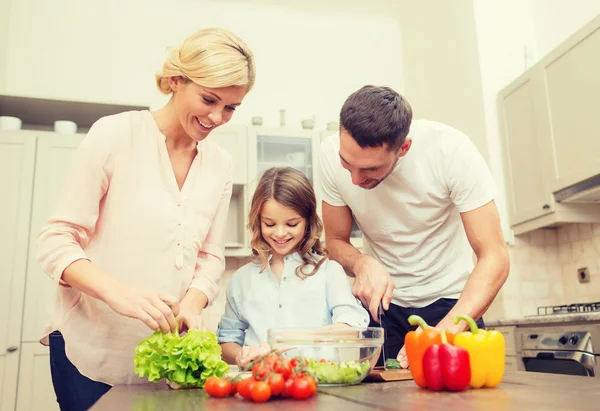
x: 190, y: 320
x: 249, y: 353
x: 156, y: 310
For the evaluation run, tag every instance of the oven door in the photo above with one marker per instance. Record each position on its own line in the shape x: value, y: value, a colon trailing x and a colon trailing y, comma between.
x: 560, y: 362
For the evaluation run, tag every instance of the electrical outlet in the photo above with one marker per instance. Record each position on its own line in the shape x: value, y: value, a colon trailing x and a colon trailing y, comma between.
x: 583, y: 275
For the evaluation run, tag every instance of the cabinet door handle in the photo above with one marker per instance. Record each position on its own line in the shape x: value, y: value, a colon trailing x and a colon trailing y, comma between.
x: 546, y: 206
x: 12, y: 349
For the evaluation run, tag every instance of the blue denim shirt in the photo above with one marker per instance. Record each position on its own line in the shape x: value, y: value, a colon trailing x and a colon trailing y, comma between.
x: 257, y: 302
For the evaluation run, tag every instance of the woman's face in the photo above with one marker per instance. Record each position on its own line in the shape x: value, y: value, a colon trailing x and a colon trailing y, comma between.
x: 201, y: 109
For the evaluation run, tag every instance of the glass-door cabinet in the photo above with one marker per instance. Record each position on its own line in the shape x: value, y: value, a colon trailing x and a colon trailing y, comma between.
x: 280, y: 147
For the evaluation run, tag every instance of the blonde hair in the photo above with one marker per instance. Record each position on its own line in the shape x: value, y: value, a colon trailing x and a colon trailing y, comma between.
x: 290, y: 188
x: 212, y: 58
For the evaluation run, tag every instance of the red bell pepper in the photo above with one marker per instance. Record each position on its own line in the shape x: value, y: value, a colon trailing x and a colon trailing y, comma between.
x: 446, y: 367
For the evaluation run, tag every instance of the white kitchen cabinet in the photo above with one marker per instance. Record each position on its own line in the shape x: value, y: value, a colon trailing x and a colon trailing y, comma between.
x: 572, y: 86
x: 520, y: 108
x: 549, y: 125
x: 36, y: 391
x: 55, y: 154
x: 17, y: 156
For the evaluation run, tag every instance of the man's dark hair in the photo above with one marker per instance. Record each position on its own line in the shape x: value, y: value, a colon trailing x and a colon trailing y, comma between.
x: 376, y: 116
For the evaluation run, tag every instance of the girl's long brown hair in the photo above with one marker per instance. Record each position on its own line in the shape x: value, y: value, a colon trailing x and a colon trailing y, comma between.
x: 290, y: 188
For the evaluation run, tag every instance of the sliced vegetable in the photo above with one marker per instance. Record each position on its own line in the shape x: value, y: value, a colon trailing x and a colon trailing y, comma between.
x: 392, y: 363
x: 350, y: 372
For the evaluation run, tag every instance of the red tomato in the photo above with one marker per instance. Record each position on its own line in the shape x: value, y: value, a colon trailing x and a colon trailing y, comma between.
x: 270, y: 359
x: 260, y: 392
x: 277, y: 384
x: 244, y: 387
x: 282, y: 366
x: 217, y: 387
x: 233, y: 389
x: 303, y: 388
x: 260, y: 371
x: 287, y: 387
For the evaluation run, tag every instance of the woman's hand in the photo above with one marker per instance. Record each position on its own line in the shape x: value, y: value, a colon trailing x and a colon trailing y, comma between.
x: 250, y: 352
x: 156, y: 310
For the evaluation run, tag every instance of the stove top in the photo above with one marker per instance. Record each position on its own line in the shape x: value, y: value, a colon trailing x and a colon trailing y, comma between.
x: 569, y: 309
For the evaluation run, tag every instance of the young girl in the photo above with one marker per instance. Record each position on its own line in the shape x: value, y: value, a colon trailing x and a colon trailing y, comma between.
x: 291, y: 283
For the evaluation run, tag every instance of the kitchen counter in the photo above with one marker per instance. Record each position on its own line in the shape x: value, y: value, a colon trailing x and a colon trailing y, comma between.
x: 547, y: 319
x: 518, y: 391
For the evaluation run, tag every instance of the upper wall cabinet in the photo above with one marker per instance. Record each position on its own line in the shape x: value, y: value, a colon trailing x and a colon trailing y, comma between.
x: 571, y: 77
x: 549, y: 123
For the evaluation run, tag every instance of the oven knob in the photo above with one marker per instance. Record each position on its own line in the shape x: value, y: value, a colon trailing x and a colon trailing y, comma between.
x: 574, y: 339
x: 563, y: 340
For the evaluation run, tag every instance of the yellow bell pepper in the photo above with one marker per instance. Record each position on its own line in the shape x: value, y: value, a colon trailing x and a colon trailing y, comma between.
x: 486, y: 352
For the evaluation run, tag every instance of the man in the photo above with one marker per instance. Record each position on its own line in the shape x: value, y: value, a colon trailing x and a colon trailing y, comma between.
x: 423, y: 198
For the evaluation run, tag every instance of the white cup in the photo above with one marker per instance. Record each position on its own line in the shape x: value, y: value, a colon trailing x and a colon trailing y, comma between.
x: 65, y: 127
x: 296, y: 159
x: 10, y: 123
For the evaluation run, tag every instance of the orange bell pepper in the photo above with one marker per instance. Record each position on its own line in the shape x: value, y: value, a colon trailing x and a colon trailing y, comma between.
x: 417, y: 343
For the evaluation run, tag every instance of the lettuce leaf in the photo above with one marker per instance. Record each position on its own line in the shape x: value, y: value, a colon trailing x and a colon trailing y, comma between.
x: 188, y: 361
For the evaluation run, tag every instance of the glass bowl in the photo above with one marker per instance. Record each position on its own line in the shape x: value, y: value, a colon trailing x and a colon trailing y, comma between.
x: 336, y: 356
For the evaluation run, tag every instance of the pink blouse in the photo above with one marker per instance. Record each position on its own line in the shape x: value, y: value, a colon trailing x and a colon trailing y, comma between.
x: 121, y: 208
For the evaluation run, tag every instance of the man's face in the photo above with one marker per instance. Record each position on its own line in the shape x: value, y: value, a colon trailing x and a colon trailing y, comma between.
x: 371, y: 165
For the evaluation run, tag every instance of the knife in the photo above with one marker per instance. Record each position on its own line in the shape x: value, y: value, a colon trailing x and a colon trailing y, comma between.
x: 381, y: 314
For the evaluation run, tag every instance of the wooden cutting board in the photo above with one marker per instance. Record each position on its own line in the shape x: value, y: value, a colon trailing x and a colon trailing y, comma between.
x: 379, y: 374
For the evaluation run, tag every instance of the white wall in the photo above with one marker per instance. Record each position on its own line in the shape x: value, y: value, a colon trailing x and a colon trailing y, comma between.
x: 556, y: 20
x: 109, y: 50
x: 4, y: 31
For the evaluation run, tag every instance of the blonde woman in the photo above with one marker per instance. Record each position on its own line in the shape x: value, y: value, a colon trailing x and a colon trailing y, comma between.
x: 136, y: 240
x: 291, y: 283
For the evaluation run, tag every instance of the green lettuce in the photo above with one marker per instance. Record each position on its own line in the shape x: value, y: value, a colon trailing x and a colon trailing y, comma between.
x: 351, y: 372
x: 188, y: 361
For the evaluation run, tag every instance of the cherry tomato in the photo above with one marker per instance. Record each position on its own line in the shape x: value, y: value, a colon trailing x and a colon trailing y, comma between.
x: 287, y: 387
x: 217, y: 387
x: 270, y: 360
x: 277, y: 384
x: 234, y: 384
x: 260, y: 392
x: 303, y: 388
x: 244, y: 387
x: 260, y: 371
x: 209, y: 385
x: 282, y: 366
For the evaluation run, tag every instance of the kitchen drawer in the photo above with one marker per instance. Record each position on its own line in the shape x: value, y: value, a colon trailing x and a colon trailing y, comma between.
x: 509, y: 338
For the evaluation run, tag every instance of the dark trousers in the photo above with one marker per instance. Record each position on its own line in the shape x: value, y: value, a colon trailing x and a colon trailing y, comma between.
x: 74, y: 392
x: 396, y: 323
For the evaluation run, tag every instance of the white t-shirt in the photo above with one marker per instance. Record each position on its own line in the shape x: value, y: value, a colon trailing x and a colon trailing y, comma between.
x: 411, y: 221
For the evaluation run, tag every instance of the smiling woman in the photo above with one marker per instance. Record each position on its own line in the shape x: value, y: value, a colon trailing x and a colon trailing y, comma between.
x: 137, y: 238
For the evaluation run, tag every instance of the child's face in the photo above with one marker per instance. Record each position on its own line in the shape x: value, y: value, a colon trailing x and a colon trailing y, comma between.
x: 281, y: 227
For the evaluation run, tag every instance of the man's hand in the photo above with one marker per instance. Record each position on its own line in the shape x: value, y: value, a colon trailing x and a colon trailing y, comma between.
x: 372, y: 285
x: 446, y: 324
